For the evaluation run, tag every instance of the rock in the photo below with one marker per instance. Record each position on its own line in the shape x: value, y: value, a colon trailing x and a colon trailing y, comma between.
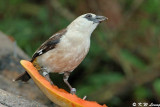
x: 10, y: 68
x: 10, y: 100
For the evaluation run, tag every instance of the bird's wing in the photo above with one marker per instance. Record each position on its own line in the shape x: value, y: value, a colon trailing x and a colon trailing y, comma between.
x: 49, y: 44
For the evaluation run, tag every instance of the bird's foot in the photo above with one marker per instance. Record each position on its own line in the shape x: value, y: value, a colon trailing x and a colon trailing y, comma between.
x: 46, y: 75
x: 50, y: 81
x: 73, y: 91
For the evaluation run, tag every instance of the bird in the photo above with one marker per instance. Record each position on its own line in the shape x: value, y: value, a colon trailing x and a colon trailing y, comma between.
x: 66, y: 49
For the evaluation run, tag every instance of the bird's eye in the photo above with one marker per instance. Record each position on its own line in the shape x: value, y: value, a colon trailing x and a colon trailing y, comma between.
x: 89, y: 15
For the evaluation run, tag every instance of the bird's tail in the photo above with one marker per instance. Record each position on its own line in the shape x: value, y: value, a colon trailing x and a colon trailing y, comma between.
x: 23, y: 77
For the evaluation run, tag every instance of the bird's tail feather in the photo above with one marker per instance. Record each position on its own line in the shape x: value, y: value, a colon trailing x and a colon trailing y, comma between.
x: 23, y: 77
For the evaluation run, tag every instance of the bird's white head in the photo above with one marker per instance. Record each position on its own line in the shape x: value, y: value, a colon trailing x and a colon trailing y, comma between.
x: 86, y: 23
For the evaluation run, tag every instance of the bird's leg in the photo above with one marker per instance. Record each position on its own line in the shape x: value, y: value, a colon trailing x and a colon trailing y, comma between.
x: 46, y: 75
x: 65, y: 78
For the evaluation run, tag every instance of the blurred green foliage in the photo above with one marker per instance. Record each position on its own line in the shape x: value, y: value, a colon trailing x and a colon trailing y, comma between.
x: 27, y: 29
x: 142, y: 93
x: 119, y: 52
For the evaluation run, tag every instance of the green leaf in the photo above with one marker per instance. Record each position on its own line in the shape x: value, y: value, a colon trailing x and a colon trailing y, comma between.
x: 97, y: 80
x: 142, y: 93
x: 156, y: 86
x: 132, y: 59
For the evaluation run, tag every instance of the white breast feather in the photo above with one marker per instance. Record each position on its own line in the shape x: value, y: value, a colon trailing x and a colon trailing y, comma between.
x: 68, y: 54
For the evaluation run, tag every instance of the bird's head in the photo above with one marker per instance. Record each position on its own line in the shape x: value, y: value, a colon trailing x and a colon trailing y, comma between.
x: 86, y: 22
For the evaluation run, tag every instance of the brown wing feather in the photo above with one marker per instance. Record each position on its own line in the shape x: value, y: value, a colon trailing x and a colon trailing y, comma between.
x: 49, y: 44
x: 45, y: 47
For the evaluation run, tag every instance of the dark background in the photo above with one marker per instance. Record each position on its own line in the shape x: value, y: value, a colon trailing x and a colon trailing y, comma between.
x: 123, y: 64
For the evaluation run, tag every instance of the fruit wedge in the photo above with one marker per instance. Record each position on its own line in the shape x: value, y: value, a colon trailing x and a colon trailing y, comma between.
x: 56, y: 95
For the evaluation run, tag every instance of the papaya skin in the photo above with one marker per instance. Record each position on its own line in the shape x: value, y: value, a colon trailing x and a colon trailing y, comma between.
x: 55, y: 94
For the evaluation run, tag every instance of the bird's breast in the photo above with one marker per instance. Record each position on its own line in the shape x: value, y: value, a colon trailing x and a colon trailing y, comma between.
x: 67, y: 55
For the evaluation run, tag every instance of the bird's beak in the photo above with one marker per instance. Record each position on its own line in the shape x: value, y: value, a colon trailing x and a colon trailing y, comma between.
x: 100, y: 18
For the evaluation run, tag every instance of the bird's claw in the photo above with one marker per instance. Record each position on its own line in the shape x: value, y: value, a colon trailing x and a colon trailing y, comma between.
x: 84, y: 97
x: 73, y: 91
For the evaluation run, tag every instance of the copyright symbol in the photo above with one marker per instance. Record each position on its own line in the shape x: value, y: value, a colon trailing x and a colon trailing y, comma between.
x: 134, y: 104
